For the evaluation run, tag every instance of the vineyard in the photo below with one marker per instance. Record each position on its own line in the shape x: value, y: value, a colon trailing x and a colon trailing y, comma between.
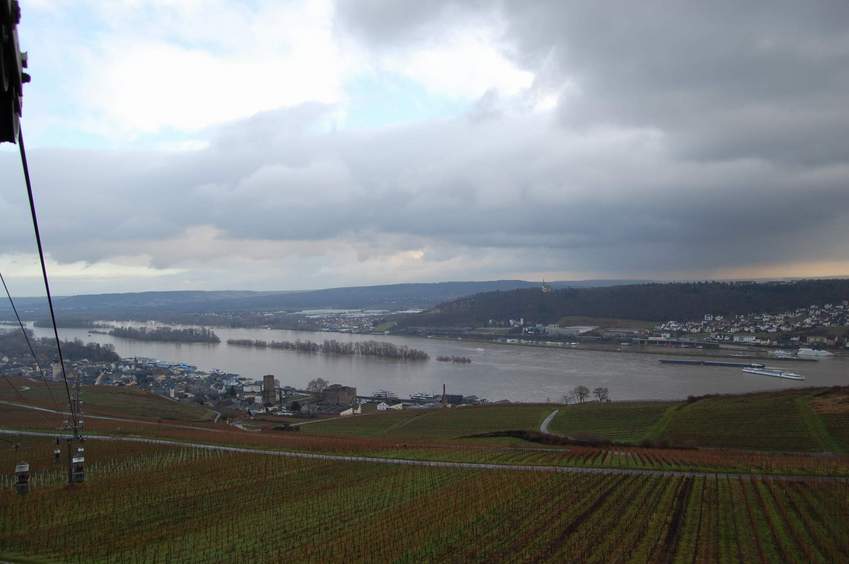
x: 106, y: 400
x: 156, y: 503
x: 457, y: 449
x: 171, y: 501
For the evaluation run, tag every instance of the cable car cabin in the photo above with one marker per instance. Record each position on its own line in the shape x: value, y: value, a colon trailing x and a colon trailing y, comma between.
x: 78, y: 469
x: 22, y: 478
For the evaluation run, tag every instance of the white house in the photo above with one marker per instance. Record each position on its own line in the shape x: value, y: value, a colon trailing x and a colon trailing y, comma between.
x: 382, y: 406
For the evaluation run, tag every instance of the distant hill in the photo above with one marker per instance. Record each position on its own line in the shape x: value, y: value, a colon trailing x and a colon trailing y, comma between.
x: 170, y: 305
x: 648, y: 302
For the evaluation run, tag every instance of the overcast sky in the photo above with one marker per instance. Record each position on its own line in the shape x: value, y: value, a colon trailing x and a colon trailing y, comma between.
x: 291, y: 145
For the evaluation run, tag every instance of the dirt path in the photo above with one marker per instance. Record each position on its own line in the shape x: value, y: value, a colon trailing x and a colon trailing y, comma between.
x: 320, y: 420
x: 543, y: 428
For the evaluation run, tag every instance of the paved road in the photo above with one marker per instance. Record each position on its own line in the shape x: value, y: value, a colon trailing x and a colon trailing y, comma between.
x: 441, y: 464
x: 543, y: 428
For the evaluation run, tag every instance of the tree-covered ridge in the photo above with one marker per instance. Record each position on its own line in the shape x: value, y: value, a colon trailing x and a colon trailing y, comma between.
x: 649, y: 302
x: 167, y: 334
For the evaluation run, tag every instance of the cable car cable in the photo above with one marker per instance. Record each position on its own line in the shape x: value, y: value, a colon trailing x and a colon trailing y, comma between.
x: 29, y: 344
x: 46, y: 280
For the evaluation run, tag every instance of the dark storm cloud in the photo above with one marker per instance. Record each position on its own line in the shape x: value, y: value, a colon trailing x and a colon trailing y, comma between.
x: 765, y: 82
x: 601, y: 202
x: 728, y: 79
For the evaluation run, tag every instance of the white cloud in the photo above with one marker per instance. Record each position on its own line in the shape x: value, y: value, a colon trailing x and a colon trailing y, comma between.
x: 465, y: 64
x: 178, y: 67
x: 185, y: 65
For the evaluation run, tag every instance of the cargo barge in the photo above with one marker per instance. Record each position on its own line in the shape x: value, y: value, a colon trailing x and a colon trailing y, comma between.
x: 720, y: 363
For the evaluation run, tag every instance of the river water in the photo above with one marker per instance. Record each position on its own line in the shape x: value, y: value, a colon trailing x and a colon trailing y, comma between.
x: 497, y: 371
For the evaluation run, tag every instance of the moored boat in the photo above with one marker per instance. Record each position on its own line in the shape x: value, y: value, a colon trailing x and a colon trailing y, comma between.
x: 812, y: 352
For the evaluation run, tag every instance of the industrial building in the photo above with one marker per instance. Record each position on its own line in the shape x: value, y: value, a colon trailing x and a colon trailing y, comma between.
x: 336, y: 394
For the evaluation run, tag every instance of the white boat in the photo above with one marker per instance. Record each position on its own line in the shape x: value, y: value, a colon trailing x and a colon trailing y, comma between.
x: 774, y: 372
x: 812, y: 352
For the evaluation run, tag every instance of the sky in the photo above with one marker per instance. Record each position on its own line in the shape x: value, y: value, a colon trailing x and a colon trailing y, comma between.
x: 271, y: 145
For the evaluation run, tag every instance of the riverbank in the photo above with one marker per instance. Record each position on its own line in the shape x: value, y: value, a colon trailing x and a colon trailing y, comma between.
x: 723, y: 352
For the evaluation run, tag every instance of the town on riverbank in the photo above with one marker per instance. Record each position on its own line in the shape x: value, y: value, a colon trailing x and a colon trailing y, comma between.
x: 228, y: 393
x: 813, y: 328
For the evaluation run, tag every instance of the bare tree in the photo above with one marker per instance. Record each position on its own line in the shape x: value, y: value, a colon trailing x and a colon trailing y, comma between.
x: 317, y: 385
x: 601, y: 394
x: 581, y: 392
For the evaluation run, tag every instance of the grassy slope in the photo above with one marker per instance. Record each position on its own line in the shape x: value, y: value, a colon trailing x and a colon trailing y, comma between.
x: 832, y: 409
x: 768, y: 421
x: 617, y: 421
x: 817, y: 427
x: 790, y: 420
x: 436, y: 423
x: 786, y: 421
x: 838, y: 427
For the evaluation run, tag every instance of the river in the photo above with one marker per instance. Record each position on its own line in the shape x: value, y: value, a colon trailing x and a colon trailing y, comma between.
x: 497, y: 371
